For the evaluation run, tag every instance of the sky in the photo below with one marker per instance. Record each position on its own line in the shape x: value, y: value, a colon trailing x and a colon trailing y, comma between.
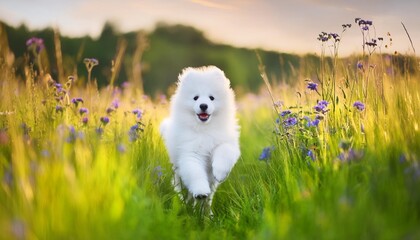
x: 284, y: 26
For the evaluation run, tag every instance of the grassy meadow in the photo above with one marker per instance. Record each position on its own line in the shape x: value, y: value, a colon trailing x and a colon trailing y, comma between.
x: 337, y: 157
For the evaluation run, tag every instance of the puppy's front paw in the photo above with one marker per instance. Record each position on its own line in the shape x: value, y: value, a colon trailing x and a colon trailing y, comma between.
x: 200, y: 196
x: 200, y: 192
x: 220, y: 174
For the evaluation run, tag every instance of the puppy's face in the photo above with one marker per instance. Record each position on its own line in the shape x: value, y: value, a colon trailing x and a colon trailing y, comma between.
x: 204, y: 106
x: 203, y: 102
x: 203, y: 93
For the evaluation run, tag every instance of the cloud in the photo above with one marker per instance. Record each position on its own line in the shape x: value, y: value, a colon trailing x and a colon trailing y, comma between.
x: 212, y: 4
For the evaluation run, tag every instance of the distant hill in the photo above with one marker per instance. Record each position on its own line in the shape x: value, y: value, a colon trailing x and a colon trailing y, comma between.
x: 156, y: 58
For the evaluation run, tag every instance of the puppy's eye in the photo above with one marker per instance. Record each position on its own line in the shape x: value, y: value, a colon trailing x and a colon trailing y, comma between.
x: 195, y: 98
x: 211, y: 98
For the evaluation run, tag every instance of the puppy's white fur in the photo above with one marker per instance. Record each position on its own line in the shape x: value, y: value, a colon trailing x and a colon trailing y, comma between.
x: 201, y: 134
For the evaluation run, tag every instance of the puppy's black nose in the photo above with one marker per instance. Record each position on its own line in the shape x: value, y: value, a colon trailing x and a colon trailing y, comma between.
x: 203, y: 107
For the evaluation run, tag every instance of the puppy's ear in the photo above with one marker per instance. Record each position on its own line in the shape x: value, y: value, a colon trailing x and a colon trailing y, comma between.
x: 184, y: 74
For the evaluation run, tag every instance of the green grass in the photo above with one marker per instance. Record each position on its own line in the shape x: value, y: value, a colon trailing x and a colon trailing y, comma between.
x: 60, y: 179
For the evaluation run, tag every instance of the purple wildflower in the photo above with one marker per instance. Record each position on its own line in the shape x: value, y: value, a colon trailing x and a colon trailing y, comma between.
x: 323, y: 102
x: 125, y: 84
x: 104, y: 120
x: 265, y: 154
x: 335, y: 36
x: 311, y: 154
x: 72, y: 135
x: 91, y: 61
x: 133, y: 134
x: 37, y: 43
x: 121, y: 148
x: 58, y: 108
x: 323, y: 37
x: 77, y: 101
x: 310, y: 123
x: 290, y: 122
x: 359, y: 65
x: 312, y: 86
x: 138, y: 112
x: 115, y: 104
x: 85, y: 120
x: 321, y: 106
x: 94, y: 61
x: 59, y: 86
x: 313, y: 123
x: 285, y: 112
x: 359, y: 105
x: 83, y: 111
x: 351, y: 155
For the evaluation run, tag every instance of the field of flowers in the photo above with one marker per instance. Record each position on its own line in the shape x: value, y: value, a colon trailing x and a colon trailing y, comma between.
x: 334, y: 157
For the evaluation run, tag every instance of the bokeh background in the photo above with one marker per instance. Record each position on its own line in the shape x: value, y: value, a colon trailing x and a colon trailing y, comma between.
x: 157, y: 39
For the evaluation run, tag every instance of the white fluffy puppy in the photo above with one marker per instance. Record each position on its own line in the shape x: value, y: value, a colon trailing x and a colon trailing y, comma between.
x: 201, y: 133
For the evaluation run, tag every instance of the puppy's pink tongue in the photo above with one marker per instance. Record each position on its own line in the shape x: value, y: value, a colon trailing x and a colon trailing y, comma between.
x: 203, y: 116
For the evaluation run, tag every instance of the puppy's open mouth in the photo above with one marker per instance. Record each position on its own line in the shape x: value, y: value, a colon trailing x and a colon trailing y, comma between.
x: 203, y: 116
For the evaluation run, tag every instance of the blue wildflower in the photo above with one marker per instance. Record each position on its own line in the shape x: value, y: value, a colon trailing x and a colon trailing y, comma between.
x: 58, y: 108
x: 36, y: 43
x: 359, y: 105
x: 313, y: 123
x: 138, y: 113
x: 311, y: 154
x: 133, y: 134
x: 91, y: 62
x: 323, y: 102
x: 85, y: 120
x: 121, y: 148
x: 72, y: 135
x: 351, y: 155
x: 285, y: 112
x: 265, y: 154
x: 115, y: 103
x: 312, y: 86
x: 321, y: 106
x: 83, y: 111
x: 290, y: 122
x: 359, y: 65
x: 104, y: 120
x: 76, y: 101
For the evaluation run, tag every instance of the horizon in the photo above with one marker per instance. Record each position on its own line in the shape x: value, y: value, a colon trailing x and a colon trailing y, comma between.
x: 269, y: 25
